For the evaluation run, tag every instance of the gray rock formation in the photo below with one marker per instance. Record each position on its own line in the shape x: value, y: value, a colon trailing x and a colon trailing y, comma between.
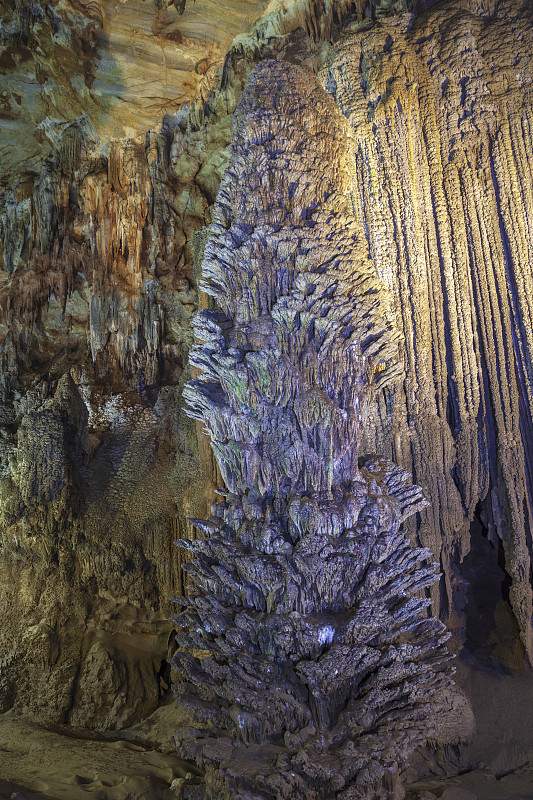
x: 107, y: 184
x: 321, y: 670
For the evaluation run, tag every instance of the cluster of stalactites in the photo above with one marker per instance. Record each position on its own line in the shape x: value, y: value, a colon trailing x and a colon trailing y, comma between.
x: 299, y: 345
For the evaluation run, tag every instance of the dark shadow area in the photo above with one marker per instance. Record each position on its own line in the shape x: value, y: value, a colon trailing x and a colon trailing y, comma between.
x: 492, y: 634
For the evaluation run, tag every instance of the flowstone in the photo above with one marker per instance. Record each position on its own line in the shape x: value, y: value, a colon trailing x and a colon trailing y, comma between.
x: 320, y: 668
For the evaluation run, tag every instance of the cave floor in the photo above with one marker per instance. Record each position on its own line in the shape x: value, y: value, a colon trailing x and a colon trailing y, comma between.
x: 480, y: 785
x: 39, y: 762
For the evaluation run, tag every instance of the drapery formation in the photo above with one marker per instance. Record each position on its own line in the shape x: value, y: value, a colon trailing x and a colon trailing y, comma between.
x: 441, y: 114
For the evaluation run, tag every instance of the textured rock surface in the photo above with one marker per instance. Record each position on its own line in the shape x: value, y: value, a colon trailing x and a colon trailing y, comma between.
x: 103, y: 206
x: 99, y: 468
x: 51, y: 763
x: 321, y: 670
x: 441, y: 114
x: 114, y: 68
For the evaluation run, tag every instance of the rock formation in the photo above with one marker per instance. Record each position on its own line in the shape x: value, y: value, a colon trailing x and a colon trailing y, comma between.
x: 440, y: 110
x: 115, y: 123
x: 321, y: 671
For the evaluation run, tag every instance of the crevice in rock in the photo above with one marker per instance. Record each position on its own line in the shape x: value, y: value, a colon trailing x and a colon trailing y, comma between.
x: 492, y: 633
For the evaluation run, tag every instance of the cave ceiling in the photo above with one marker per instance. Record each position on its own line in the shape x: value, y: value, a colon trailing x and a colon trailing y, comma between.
x: 118, y: 67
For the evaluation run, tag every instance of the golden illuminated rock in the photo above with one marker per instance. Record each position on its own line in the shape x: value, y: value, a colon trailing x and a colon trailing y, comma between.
x: 115, y: 121
x: 441, y: 114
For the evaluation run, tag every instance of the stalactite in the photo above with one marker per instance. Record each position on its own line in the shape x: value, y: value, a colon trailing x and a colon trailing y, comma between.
x: 441, y: 116
x: 322, y: 670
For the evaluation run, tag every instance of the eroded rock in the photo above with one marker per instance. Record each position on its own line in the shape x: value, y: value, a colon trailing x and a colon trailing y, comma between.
x: 321, y: 670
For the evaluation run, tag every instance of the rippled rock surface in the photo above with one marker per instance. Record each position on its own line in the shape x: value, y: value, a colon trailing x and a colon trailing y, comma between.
x: 441, y: 114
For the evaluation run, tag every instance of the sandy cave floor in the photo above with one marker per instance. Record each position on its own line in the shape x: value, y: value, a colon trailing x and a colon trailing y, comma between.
x: 38, y: 762
x: 41, y: 763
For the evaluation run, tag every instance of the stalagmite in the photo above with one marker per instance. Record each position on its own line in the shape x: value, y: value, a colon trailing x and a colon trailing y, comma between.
x: 321, y: 669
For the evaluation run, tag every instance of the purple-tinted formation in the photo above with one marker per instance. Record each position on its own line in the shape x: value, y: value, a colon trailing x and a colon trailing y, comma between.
x: 319, y: 669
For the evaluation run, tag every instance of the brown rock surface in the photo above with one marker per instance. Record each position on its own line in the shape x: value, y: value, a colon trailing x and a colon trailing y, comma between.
x: 441, y: 112
x: 52, y: 764
x: 118, y: 67
x: 107, y: 186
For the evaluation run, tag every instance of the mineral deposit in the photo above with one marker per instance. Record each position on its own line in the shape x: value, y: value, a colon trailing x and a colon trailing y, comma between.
x: 321, y: 670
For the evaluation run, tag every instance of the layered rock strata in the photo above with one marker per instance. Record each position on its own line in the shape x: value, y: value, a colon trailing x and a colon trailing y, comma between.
x: 321, y: 670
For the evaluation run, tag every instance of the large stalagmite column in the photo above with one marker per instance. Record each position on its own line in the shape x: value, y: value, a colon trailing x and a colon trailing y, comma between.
x: 321, y: 669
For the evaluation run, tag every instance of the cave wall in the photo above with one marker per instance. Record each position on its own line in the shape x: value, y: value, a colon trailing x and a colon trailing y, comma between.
x: 107, y: 187
x: 99, y: 467
x: 440, y: 109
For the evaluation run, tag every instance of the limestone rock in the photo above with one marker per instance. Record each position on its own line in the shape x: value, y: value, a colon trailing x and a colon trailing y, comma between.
x: 106, y: 192
x: 321, y: 670
x: 440, y: 111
